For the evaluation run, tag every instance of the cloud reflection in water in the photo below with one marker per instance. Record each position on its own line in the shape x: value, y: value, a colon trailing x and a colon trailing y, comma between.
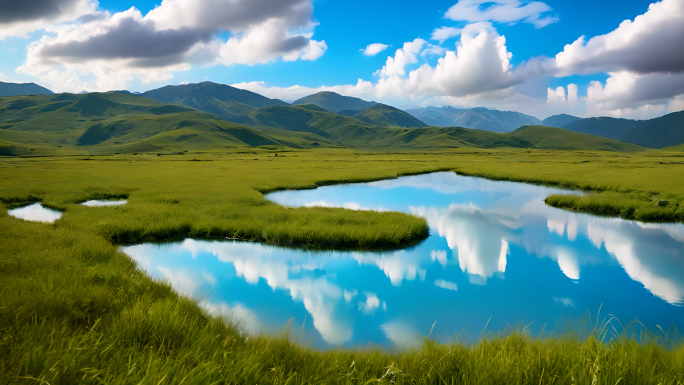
x: 495, y: 250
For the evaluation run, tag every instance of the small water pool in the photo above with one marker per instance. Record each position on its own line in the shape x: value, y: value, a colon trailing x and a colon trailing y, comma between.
x: 104, y: 202
x: 36, y: 213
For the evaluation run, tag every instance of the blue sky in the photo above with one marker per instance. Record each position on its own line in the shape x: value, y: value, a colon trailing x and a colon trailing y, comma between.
x: 500, y: 54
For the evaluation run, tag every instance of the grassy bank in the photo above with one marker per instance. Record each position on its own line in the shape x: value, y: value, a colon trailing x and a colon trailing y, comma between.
x: 75, y: 310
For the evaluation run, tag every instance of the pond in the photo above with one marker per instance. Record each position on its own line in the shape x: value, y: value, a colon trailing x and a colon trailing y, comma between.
x: 36, y: 213
x: 104, y: 202
x: 497, y: 257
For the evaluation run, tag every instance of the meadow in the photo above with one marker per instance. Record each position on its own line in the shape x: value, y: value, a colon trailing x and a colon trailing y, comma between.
x: 73, y: 309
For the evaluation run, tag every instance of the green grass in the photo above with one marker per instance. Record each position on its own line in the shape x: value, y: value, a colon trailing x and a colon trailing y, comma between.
x: 75, y: 310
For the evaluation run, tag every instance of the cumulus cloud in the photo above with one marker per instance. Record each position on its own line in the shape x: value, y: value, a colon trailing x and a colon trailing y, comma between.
x: 268, y: 41
x: 627, y: 94
x: 233, y: 15
x: 503, y: 11
x: 374, y: 49
x: 645, y: 71
x: 444, y: 33
x: 106, y: 52
x: 557, y: 95
x: 402, y: 57
x: 18, y: 18
x: 560, y: 96
x: 649, y: 44
x: 481, y: 63
x: 479, y: 69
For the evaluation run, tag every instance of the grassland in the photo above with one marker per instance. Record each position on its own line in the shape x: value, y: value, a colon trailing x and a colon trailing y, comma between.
x: 75, y: 310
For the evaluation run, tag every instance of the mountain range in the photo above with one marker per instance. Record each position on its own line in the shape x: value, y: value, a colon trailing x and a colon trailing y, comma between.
x: 478, y: 118
x: 209, y: 115
x: 665, y: 131
x: 18, y: 89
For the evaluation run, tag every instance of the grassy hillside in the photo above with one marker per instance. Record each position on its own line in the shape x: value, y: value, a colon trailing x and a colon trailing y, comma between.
x: 675, y: 148
x: 559, y: 139
x: 75, y: 310
x: 115, y: 122
x: 665, y: 131
x: 121, y: 122
x: 335, y: 102
x: 384, y: 115
x: 230, y: 103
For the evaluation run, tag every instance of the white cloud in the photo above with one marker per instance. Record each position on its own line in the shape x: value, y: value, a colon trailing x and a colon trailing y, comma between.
x: 677, y: 104
x: 3, y: 77
x: 480, y: 64
x: 478, y: 72
x: 645, y: 45
x: 109, y: 51
x: 557, y: 95
x: 374, y: 49
x: 268, y: 42
x: 402, y: 57
x: 18, y: 18
x: 315, y: 50
x: 504, y: 11
x: 444, y: 33
x: 573, y: 91
x: 627, y: 94
x: 230, y: 15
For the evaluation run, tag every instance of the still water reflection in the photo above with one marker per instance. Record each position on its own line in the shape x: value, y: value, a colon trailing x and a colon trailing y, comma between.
x: 36, y: 213
x: 104, y: 202
x: 495, y: 250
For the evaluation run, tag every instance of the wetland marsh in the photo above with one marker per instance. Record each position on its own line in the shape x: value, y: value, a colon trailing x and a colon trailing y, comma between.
x: 75, y: 309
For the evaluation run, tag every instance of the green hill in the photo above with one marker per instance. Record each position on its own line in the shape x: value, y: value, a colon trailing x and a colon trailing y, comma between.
x: 303, y: 118
x: 665, y: 131
x: 335, y: 102
x: 675, y: 148
x: 384, y: 115
x: 559, y: 121
x: 230, y: 103
x: 123, y: 122
x: 20, y: 89
x: 561, y: 139
x: 117, y: 122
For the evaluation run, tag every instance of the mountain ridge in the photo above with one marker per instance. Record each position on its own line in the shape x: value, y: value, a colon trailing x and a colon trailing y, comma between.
x: 335, y: 102
x: 480, y: 118
x: 22, y: 89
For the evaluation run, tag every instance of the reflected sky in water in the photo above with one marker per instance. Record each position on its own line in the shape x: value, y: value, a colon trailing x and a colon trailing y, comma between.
x: 35, y: 213
x: 495, y: 250
x: 104, y: 203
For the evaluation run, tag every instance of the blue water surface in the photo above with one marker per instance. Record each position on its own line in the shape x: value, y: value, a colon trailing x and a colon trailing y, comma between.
x: 497, y: 257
